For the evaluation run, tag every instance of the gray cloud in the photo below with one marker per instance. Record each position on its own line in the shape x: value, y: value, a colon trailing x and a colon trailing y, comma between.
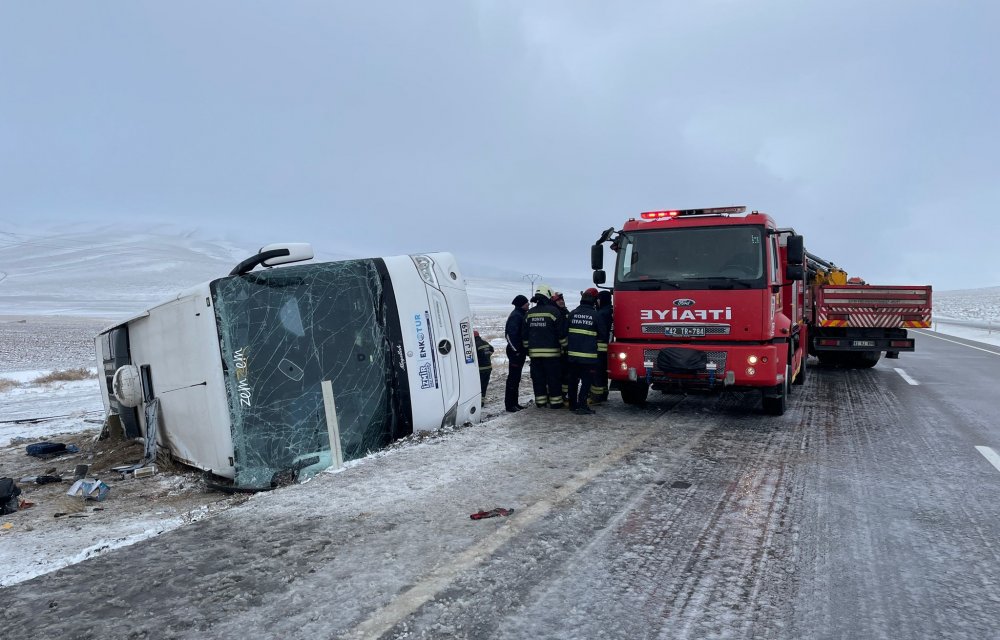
x: 512, y: 133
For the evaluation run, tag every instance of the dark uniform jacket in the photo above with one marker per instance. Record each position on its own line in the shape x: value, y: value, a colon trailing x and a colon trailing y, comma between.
x: 586, y: 330
x: 606, y: 314
x: 514, y: 331
x: 484, y: 353
x: 544, y: 330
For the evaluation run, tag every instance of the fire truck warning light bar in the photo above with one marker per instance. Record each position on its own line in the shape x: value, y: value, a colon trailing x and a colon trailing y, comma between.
x: 661, y: 215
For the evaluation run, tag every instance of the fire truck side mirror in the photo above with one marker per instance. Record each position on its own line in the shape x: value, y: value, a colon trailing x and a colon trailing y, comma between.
x: 599, y: 276
x: 597, y: 256
x: 795, y: 272
x: 795, y: 250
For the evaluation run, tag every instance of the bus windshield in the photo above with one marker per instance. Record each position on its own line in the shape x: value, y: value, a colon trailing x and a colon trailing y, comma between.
x: 686, y: 257
x: 283, y: 332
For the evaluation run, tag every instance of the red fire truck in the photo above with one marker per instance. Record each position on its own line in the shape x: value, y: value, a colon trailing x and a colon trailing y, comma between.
x: 717, y: 299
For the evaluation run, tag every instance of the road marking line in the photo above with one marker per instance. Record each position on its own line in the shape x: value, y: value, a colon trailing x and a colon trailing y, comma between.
x: 931, y: 335
x: 906, y: 376
x: 388, y: 616
x: 990, y: 455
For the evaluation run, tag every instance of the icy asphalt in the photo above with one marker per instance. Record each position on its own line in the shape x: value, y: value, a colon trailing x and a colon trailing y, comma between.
x: 865, y: 512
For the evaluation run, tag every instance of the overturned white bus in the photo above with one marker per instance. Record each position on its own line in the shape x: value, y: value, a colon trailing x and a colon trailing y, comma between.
x: 236, y: 366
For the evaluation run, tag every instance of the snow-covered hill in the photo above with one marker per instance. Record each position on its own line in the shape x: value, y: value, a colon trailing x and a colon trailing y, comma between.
x: 103, y: 271
x: 111, y: 271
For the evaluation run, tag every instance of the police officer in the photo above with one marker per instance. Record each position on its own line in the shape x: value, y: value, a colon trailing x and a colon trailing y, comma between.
x: 586, y: 329
x: 599, y: 390
x: 544, y: 338
x: 516, y: 352
x: 484, y: 353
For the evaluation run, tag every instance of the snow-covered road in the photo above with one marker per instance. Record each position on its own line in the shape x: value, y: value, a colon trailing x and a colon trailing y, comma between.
x: 866, y: 511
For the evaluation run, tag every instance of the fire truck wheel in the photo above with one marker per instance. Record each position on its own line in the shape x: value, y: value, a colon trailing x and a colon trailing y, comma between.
x: 634, y: 393
x: 801, y: 378
x: 775, y: 404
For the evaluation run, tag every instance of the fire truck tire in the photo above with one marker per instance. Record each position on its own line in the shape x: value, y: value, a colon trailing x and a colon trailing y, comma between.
x: 775, y: 404
x: 801, y: 378
x: 635, y: 393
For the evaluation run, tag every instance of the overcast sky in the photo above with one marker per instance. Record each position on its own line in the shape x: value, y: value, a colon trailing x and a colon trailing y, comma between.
x: 513, y: 133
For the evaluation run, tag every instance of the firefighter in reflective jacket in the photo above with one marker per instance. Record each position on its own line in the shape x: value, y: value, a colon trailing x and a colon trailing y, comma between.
x: 484, y: 353
x: 599, y: 389
x: 560, y: 302
x: 586, y: 329
x: 544, y: 338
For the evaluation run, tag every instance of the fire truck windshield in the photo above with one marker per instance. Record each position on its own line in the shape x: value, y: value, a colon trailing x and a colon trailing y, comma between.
x: 687, y: 257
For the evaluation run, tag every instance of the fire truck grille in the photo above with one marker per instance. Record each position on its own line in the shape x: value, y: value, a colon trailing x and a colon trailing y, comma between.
x: 677, y: 328
x: 718, y: 357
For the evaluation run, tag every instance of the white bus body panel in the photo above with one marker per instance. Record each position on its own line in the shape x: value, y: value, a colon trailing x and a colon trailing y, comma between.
x: 439, y: 382
x: 180, y: 341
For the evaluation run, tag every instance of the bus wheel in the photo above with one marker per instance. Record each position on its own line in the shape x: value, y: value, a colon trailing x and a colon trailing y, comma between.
x: 776, y: 401
x: 634, y: 393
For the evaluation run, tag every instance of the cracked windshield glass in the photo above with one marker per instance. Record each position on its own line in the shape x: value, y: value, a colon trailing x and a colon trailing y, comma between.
x: 283, y: 332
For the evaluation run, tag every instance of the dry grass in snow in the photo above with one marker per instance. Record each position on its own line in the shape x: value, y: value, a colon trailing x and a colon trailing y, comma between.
x: 65, y: 375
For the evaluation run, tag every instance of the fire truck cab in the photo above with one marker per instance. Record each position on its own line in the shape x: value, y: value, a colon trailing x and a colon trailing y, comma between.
x: 708, y: 299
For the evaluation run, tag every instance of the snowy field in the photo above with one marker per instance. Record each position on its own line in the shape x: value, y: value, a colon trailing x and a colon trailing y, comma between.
x: 969, y: 304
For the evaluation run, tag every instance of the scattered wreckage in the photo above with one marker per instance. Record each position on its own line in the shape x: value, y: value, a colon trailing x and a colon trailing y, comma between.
x: 267, y: 376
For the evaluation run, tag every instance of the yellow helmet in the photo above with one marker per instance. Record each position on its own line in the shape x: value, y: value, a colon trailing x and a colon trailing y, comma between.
x: 544, y: 290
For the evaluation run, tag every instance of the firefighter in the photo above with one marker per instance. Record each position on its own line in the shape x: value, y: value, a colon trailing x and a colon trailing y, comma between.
x: 516, y: 352
x: 586, y: 330
x: 544, y: 338
x: 599, y: 390
x: 560, y: 302
x: 484, y: 352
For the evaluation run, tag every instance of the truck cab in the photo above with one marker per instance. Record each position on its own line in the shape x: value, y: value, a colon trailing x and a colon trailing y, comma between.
x: 707, y: 299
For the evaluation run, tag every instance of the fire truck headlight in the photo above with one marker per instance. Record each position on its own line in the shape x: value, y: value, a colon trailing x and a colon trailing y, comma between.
x: 624, y: 366
x: 751, y: 371
x: 751, y: 359
x: 622, y: 355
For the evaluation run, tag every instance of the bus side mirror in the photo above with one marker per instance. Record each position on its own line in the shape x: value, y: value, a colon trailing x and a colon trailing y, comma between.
x: 795, y: 272
x: 297, y: 252
x: 600, y: 276
x: 597, y: 256
x: 275, y: 254
x: 795, y: 250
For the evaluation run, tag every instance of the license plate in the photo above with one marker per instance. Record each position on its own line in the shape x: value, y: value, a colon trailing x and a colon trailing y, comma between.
x: 864, y: 343
x: 686, y: 331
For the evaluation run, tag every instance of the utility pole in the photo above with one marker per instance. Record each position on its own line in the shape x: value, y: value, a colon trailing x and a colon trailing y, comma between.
x: 532, y: 278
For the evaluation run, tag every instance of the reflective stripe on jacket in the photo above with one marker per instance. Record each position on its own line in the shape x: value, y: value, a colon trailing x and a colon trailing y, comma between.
x: 586, y: 330
x: 484, y: 354
x: 605, y: 313
x: 544, y: 330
